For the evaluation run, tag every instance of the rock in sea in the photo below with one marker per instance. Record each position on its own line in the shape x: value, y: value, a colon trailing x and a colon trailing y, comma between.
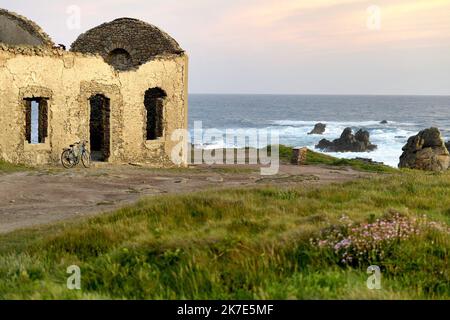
x: 319, y: 128
x: 348, y: 142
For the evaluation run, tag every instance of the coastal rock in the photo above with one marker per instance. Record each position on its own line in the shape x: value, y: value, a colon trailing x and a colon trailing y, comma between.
x: 348, y: 142
x: 384, y: 122
x: 319, y: 128
x: 425, y: 151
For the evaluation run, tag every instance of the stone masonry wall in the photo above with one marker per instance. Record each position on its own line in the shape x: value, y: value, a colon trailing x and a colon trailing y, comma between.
x: 67, y: 80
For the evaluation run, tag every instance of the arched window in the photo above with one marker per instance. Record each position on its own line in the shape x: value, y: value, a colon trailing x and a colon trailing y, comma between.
x: 154, y: 107
x: 120, y: 59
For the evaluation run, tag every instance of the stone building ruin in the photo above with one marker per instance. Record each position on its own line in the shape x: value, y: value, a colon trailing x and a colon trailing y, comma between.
x: 122, y: 87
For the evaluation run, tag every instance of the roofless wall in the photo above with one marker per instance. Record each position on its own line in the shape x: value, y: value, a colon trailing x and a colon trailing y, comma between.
x: 123, y: 88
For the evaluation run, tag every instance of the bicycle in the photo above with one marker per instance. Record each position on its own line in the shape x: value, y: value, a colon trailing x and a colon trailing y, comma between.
x: 76, y: 152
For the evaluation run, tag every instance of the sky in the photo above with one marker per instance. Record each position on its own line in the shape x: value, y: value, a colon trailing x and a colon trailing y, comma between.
x: 283, y: 46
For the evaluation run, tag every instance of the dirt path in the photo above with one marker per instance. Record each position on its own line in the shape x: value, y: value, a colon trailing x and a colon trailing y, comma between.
x: 42, y: 196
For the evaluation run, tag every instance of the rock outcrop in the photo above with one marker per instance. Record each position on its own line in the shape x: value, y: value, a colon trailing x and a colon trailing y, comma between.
x: 384, y: 122
x: 319, y: 128
x: 348, y: 142
x: 425, y: 151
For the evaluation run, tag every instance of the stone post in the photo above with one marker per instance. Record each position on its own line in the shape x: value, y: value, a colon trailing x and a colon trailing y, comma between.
x: 299, y: 156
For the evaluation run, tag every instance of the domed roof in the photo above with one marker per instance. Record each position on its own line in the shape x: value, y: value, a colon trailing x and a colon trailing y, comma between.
x: 18, y: 30
x: 126, y: 43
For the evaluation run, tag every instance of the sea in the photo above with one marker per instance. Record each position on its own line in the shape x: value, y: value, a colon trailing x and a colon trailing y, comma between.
x: 293, y: 116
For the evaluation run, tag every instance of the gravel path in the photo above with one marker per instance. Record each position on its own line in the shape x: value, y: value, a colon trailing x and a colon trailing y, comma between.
x: 43, y: 196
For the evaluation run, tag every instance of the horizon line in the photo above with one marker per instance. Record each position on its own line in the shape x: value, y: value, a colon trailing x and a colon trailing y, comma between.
x: 323, y: 94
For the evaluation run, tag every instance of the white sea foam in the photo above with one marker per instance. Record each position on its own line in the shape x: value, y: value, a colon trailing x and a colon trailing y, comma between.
x: 295, y: 116
x: 390, y: 138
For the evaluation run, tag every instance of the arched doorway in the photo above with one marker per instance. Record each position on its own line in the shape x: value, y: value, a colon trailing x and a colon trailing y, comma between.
x: 99, y: 127
x: 154, y: 107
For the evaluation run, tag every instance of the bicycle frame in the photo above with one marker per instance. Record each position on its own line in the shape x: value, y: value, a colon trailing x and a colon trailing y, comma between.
x: 76, y: 151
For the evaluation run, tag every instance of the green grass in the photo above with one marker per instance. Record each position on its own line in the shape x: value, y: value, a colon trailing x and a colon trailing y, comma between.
x: 235, y: 244
x: 6, y: 167
x: 314, y: 158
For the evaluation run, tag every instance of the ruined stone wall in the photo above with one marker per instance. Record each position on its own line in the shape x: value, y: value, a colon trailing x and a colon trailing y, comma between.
x: 67, y: 80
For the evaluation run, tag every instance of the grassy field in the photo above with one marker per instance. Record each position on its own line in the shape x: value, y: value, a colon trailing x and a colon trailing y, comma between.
x: 264, y: 243
x: 320, y: 158
x: 6, y: 167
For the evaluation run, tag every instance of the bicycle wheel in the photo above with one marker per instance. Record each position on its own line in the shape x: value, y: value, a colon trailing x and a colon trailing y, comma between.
x: 86, y: 159
x: 67, y: 159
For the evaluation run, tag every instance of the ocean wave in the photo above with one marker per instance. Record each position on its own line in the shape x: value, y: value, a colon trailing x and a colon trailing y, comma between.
x: 389, y: 139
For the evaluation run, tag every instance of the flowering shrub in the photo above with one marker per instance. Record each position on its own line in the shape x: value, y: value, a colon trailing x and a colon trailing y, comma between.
x: 355, y: 243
